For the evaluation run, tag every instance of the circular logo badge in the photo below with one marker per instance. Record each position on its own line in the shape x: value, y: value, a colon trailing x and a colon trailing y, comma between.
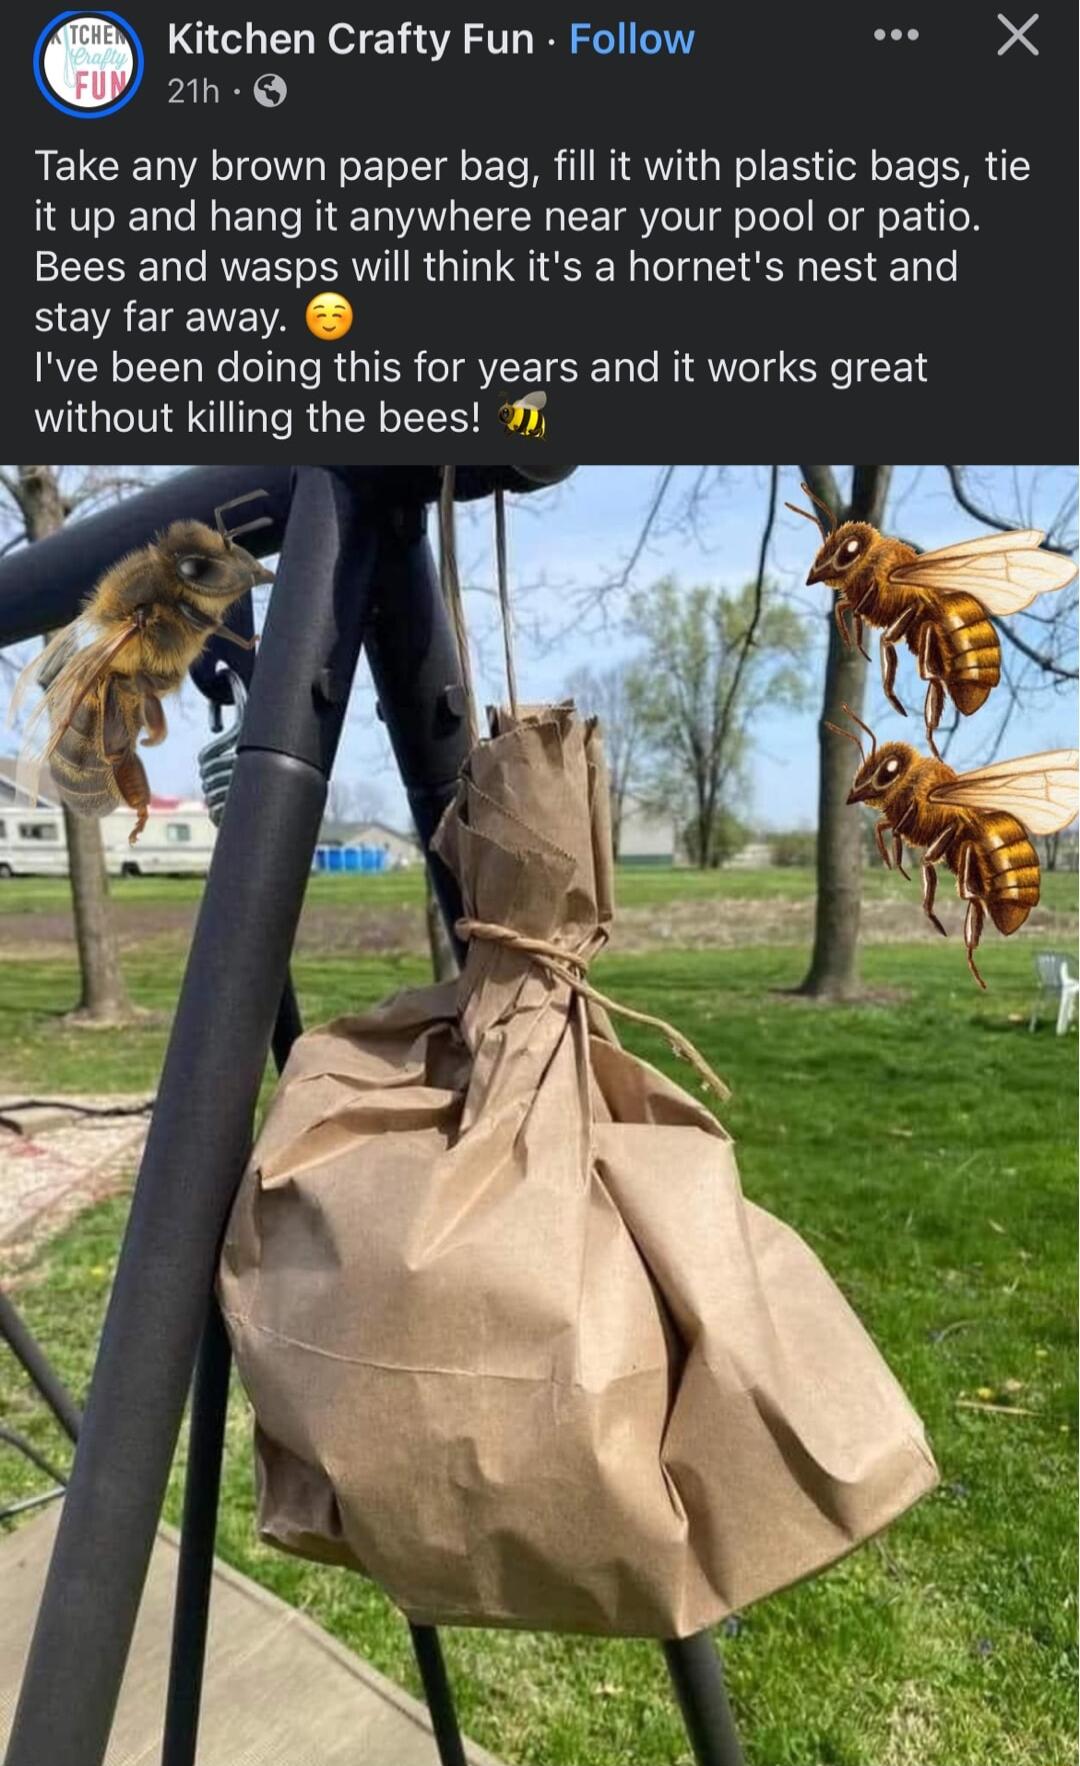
x: 88, y: 64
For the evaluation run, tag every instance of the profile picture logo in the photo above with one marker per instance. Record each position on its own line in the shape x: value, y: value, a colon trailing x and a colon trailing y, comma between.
x: 88, y: 64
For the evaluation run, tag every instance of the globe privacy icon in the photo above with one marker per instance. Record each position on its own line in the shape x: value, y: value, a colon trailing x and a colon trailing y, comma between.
x: 270, y: 90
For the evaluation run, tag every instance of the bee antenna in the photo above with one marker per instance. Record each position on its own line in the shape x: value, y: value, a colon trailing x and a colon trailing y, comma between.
x: 805, y: 513
x: 229, y: 534
x: 824, y: 507
x: 849, y: 735
x: 858, y: 720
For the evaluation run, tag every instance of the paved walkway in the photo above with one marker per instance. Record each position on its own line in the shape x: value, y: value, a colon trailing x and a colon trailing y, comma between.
x: 54, y: 1161
x: 278, y: 1691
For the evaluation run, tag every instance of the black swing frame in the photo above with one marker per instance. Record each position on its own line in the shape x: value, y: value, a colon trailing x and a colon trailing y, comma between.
x: 355, y: 571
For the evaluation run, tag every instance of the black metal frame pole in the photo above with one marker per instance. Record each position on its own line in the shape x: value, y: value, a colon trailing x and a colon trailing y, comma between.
x: 214, y: 674
x: 200, y: 1132
x: 417, y: 673
x: 412, y: 654
x: 437, y: 1694
x: 195, y: 1561
x: 698, y: 1680
x: 43, y: 585
x: 29, y: 1353
x: 202, y: 1488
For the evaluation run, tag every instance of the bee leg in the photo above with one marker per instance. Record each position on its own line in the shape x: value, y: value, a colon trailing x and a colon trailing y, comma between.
x: 888, y: 673
x: 899, y: 825
x: 973, y: 925
x: 134, y: 787
x: 154, y: 718
x: 859, y: 636
x: 935, y: 705
x: 839, y: 610
x: 975, y: 919
x: 929, y: 890
x: 879, y: 836
x: 930, y: 671
x: 225, y: 631
x: 939, y: 845
x: 889, y: 639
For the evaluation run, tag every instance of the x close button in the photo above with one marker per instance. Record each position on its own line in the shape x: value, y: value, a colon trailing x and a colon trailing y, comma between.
x: 1018, y: 34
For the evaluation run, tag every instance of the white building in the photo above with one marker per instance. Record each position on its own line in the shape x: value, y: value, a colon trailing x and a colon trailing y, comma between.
x: 646, y: 838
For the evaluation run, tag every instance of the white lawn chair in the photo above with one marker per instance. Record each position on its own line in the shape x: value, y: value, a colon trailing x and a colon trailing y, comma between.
x: 1058, y: 988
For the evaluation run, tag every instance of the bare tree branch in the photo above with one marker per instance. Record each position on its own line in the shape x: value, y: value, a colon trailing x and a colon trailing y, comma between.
x: 747, y: 641
x: 970, y: 507
x: 622, y: 577
x: 1040, y: 658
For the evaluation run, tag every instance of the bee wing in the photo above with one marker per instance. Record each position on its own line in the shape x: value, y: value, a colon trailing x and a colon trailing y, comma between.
x: 43, y: 667
x: 533, y: 401
x: 1040, y: 790
x: 71, y: 666
x: 1005, y: 571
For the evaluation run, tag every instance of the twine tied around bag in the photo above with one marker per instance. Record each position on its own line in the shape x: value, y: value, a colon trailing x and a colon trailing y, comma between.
x: 572, y: 967
x: 451, y: 588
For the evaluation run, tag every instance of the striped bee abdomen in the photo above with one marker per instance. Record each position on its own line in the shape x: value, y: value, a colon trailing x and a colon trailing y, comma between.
x: 971, y: 652
x: 1010, y: 870
x: 525, y: 420
x: 83, y: 776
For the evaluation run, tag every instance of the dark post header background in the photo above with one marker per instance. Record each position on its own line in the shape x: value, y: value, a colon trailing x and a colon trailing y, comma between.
x: 1000, y: 346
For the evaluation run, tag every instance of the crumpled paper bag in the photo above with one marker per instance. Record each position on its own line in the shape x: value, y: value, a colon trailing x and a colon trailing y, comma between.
x: 518, y: 1347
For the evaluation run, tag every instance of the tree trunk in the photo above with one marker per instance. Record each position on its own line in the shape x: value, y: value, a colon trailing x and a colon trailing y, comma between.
x: 618, y: 799
x: 443, y: 961
x: 834, y: 964
x: 103, y: 998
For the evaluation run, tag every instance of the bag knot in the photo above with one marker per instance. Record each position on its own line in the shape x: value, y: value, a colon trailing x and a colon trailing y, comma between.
x: 572, y: 967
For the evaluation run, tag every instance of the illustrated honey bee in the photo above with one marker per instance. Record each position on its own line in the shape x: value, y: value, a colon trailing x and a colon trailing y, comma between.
x: 104, y: 676
x: 979, y: 824
x: 940, y: 602
x: 526, y: 416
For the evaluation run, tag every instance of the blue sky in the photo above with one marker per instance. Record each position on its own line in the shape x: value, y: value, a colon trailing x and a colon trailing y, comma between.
x: 564, y: 542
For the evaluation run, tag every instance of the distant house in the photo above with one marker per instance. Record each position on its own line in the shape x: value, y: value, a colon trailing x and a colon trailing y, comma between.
x: 756, y: 855
x: 645, y: 837
x: 396, y: 850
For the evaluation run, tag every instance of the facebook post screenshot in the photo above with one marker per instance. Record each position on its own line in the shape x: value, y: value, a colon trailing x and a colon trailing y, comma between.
x: 539, y: 978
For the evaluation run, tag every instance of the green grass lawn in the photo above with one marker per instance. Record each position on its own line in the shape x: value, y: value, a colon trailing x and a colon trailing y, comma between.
x: 636, y: 886
x: 925, y: 1148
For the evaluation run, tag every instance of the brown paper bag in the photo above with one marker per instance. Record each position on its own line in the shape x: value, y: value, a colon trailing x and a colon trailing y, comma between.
x: 517, y: 1346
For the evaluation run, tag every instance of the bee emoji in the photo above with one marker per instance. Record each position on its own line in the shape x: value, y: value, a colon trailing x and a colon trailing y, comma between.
x: 940, y: 602
x: 978, y: 824
x: 104, y: 676
x: 525, y: 416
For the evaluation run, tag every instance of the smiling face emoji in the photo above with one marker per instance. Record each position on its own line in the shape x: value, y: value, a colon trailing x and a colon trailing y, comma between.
x: 329, y: 316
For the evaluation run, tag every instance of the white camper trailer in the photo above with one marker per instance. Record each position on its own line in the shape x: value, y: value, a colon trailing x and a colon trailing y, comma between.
x: 32, y: 842
x: 177, y: 841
